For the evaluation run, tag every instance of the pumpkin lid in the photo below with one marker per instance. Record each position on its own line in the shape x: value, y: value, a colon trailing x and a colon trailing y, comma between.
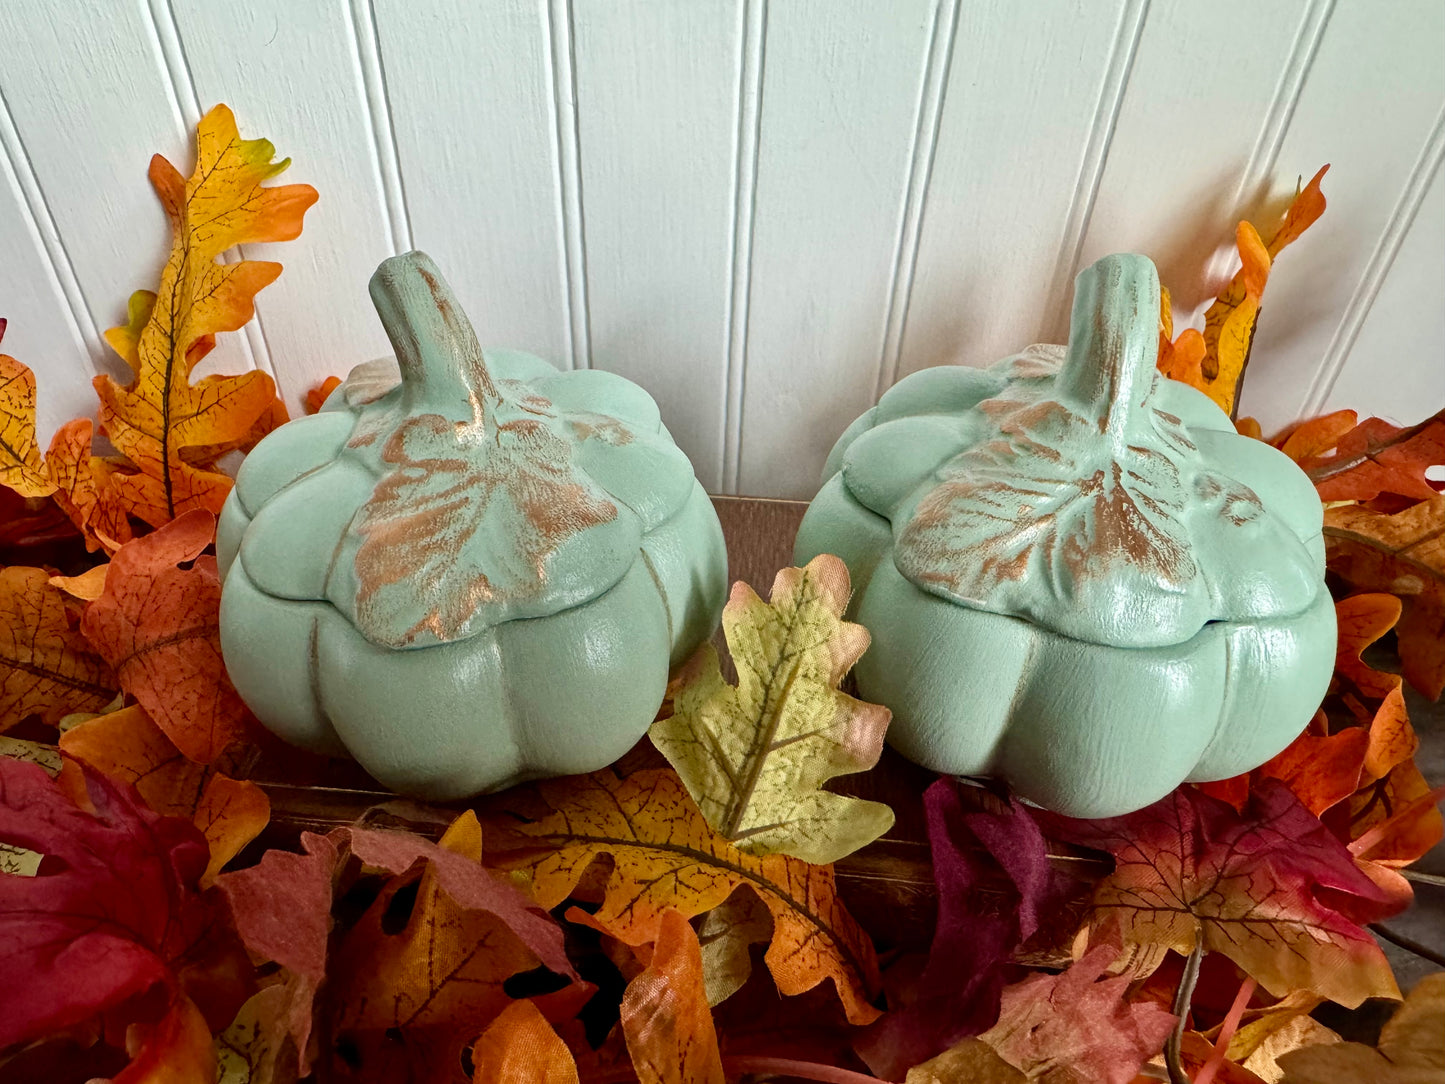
x: 485, y: 496
x: 1080, y: 502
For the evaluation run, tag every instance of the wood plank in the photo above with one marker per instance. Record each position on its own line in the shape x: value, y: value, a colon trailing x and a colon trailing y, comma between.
x: 1370, y: 102
x: 833, y: 170
x: 470, y: 86
x: 1023, y: 95
x: 292, y: 73
x: 657, y: 88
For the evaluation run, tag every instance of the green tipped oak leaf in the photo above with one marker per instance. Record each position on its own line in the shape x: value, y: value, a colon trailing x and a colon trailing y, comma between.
x: 113, y: 910
x: 754, y: 756
x: 665, y: 857
x: 1270, y: 887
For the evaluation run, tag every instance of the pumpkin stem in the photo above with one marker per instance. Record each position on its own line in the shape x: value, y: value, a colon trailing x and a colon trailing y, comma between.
x: 442, y: 370
x: 1113, y: 342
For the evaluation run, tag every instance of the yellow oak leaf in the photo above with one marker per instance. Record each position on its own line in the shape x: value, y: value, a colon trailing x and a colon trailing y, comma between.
x: 20, y: 465
x: 664, y: 857
x: 1409, y: 1050
x: 665, y: 1015
x: 47, y: 667
x: 755, y: 755
x: 169, y: 429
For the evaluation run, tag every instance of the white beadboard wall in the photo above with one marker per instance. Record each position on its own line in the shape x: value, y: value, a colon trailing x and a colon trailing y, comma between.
x: 764, y: 211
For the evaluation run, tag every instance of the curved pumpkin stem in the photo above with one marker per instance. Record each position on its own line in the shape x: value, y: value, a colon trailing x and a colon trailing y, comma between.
x: 1113, y: 342
x: 442, y: 370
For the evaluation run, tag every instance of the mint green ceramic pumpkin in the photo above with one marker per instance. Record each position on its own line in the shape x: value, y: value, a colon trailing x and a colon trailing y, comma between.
x: 473, y: 573
x: 1077, y: 575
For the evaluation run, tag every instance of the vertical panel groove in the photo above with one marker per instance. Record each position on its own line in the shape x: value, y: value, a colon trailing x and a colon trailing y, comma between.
x: 386, y: 162
x: 181, y: 86
x: 38, y: 217
x: 569, y: 178
x: 1132, y: 16
x: 1383, y: 256
x: 753, y: 16
x: 932, y: 90
x: 1264, y: 155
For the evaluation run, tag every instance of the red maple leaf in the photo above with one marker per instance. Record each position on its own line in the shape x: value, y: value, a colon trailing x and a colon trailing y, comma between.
x: 113, y: 911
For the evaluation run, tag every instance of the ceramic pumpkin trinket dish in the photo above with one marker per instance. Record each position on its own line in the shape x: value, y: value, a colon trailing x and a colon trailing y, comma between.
x: 471, y: 572
x: 1078, y: 576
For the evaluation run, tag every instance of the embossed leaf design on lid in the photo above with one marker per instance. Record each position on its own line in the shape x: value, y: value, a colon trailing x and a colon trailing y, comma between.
x: 1087, y: 508
x: 487, y: 507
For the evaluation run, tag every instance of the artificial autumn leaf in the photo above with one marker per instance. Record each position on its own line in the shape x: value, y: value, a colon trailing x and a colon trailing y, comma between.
x: 131, y: 749
x: 169, y: 429
x: 84, y: 490
x: 1271, y: 889
x: 664, y: 857
x: 727, y: 935
x: 520, y: 1047
x: 1409, y: 1050
x: 1403, y: 554
x: 158, y: 624
x: 176, y: 1050
x: 87, y: 586
x: 993, y: 876
x: 1371, y: 459
x: 282, y: 909
x: 252, y: 1049
x: 404, y: 1003
x: 117, y: 914
x: 317, y: 396
x: 1072, y: 1028
x: 1314, y: 436
x: 21, y: 468
x: 1215, y: 362
x: 754, y: 756
x: 665, y: 1015
x: 47, y: 667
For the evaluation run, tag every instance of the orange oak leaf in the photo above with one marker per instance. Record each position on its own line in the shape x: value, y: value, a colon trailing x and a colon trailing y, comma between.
x: 1271, y: 888
x: 84, y: 489
x: 520, y: 1047
x: 664, y: 857
x: 176, y: 1050
x: 20, y: 465
x: 169, y: 429
x: 128, y: 747
x: 1362, y: 619
x: 316, y: 396
x: 1373, y: 458
x: 157, y: 624
x: 1403, y: 554
x: 47, y: 667
x: 665, y: 1015
x: 1314, y: 436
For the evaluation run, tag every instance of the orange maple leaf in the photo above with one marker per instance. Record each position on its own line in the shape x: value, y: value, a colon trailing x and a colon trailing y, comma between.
x: 170, y: 429
x: 665, y: 857
x: 665, y: 1015
x: 1215, y: 361
x: 128, y: 747
x: 46, y: 666
x: 158, y: 624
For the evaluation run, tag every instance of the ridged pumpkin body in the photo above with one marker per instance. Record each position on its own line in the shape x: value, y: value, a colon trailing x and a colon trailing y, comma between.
x: 465, y: 573
x: 1077, y: 575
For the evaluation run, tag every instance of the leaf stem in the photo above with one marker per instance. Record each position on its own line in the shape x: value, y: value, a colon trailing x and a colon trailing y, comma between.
x: 1226, y: 1032
x: 1182, y: 998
